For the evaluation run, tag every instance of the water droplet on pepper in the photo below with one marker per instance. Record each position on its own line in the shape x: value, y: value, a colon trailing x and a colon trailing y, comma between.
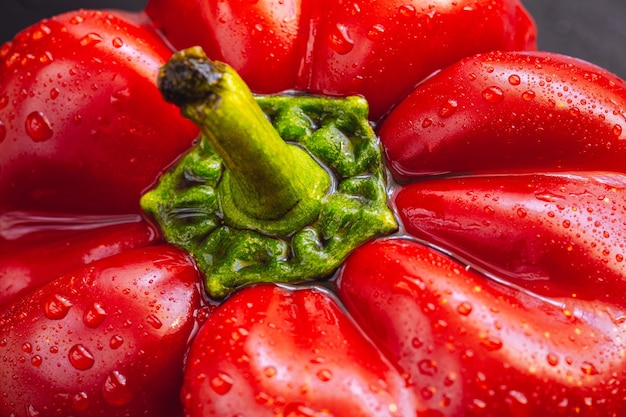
x: 57, y: 307
x: 221, y: 383
x: 80, y: 401
x: 553, y: 360
x: 340, y: 40
x: 116, y: 341
x: 325, y: 375
x: 36, y: 360
x: 464, y: 308
x: 375, y: 32
x: 427, y: 367
x: 448, y: 108
x: 493, y: 95
x: 117, y: 42
x: 589, y: 369
x: 38, y: 127
x: 514, y: 79
x: 94, y: 315
x: 115, y: 389
x: 528, y: 95
x: 80, y: 357
x: 90, y: 39
x: 154, y: 321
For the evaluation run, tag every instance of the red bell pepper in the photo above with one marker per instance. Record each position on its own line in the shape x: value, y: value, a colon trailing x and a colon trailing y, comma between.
x: 378, y: 49
x: 105, y: 340
x: 513, y: 112
x: 473, y: 346
x: 82, y: 126
x: 506, y: 313
x: 40, y: 248
x: 271, y: 350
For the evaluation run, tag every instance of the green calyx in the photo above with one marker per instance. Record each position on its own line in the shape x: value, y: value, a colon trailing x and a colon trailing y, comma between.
x: 279, y: 188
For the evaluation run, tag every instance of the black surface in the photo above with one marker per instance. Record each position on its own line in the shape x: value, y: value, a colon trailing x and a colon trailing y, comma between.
x: 594, y: 30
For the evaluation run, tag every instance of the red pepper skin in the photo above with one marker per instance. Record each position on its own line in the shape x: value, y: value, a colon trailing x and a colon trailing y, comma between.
x: 105, y: 340
x: 554, y: 234
x: 378, y: 49
x: 34, y: 259
x: 509, y: 112
x: 476, y: 347
x: 80, y: 114
x: 270, y: 350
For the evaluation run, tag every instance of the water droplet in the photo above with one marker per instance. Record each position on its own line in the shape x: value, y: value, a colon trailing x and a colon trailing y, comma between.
x: 46, y: 57
x: 448, y: 108
x: 54, y: 93
x: 3, y: 131
x: 493, y: 95
x: 548, y: 197
x: 221, y: 383
x: 427, y: 122
x: 450, y: 379
x: 464, y: 308
x: 617, y: 130
x: 521, y: 212
x: 77, y: 19
x: 31, y: 411
x: 375, y: 32
x: 417, y: 343
x: 116, y: 341
x: 491, y: 343
x: 119, y: 96
x: 325, y: 375
x: 553, y: 360
x: 489, y: 210
x: 514, y: 79
x: 518, y: 403
x: 440, y: 326
x: 427, y: 392
x: 80, y: 357
x: 407, y: 10
x: 36, y: 360
x: 80, y: 401
x: 298, y: 410
x: 574, y: 112
x: 269, y: 371
x: 38, y: 126
x: 115, y: 389
x: 427, y: 367
x: 27, y: 348
x: 90, y: 39
x: 566, y: 224
x: 340, y: 40
x: 154, y: 321
x: 528, y: 95
x: 57, y: 307
x: 589, y: 369
x: 94, y: 315
x: 40, y: 31
x: 117, y: 42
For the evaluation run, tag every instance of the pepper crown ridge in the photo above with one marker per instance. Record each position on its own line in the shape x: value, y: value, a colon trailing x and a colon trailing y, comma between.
x: 279, y: 188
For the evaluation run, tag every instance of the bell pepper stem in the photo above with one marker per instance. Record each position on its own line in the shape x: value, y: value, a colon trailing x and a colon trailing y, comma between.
x: 269, y: 185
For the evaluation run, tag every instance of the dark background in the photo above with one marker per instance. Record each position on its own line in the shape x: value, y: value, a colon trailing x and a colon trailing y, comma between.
x: 594, y: 30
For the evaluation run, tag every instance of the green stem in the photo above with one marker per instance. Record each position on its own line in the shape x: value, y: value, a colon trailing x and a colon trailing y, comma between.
x: 270, y: 185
